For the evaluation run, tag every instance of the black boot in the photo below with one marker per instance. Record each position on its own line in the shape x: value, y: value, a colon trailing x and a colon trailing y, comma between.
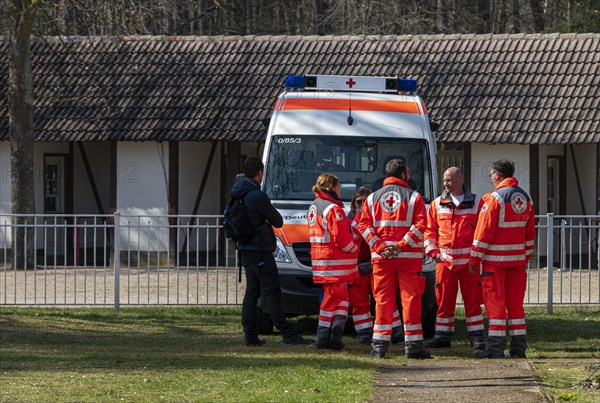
x: 365, y: 336
x: 518, y: 345
x: 494, y: 349
x: 252, y: 342
x: 379, y: 348
x: 397, y: 334
x: 476, y: 339
x: 337, y: 331
x: 415, y: 350
x: 440, y: 340
x: 323, y: 337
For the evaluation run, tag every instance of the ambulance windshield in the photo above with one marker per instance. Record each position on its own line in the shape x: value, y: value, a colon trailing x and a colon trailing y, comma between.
x: 295, y: 162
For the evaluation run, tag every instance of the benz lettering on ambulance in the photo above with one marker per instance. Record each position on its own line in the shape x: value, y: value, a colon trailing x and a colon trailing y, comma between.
x: 350, y: 127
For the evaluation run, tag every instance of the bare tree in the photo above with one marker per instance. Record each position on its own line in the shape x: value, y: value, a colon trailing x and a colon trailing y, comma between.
x: 20, y: 126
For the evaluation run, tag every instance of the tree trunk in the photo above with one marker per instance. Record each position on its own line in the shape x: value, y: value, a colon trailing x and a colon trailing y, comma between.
x: 20, y: 129
x: 516, y: 12
x: 538, y: 15
x: 484, y: 16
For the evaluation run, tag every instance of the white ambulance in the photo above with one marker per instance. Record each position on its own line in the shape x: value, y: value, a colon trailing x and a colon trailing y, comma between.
x: 350, y: 126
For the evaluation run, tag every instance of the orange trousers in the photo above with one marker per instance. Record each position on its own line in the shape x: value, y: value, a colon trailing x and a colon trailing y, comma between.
x: 388, y: 277
x: 360, y: 301
x: 446, y: 290
x: 503, y: 295
x: 335, y: 302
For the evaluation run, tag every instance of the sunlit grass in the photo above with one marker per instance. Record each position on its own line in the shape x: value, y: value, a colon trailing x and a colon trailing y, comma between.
x: 149, y: 354
x: 196, y: 354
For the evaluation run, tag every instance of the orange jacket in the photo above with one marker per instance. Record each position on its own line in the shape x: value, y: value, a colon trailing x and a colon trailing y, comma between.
x: 505, y: 230
x: 450, y: 228
x: 333, y: 251
x: 364, y: 253
x: 394, y: 214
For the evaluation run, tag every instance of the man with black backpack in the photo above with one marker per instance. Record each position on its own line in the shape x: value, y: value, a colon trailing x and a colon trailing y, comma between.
x: 257, y: 257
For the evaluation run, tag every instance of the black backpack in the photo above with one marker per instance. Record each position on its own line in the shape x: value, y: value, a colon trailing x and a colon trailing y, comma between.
x: 237, y: 224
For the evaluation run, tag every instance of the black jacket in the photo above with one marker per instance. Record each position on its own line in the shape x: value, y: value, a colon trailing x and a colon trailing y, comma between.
x: 261, y: 212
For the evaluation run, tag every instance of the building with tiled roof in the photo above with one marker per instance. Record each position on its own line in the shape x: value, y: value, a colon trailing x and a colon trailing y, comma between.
x: 118, y: 113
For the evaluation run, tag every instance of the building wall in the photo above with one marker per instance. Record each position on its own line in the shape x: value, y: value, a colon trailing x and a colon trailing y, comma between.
x: 484, y: 155
x: 585, y: 155
x: 193, y: 157
x: 142, y: 172
x: 142, y: 169
x: 597, y: 170
x: 98, y: 154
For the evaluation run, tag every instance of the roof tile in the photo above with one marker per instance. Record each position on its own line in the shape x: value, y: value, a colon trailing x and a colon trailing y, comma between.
x: 538, y: 88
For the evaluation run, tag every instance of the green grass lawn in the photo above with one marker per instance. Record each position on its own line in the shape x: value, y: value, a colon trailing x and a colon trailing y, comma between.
x: 196, y: 354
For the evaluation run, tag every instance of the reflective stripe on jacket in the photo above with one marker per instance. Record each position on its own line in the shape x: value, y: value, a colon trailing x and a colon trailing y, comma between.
x: 505, y: 230
x: 394, y: 214
x: 450, y: 228
x: 364, y: 254
x: 333, y: 250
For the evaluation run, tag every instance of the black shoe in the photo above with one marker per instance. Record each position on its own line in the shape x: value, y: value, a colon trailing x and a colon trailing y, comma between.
x: 364, y: 338
x: 487, y: 354
x: 420, y: 355
x: 297, y: 341
x: 377, y: 353
x: 254, y: 342
x: 478, y: 344
x: 323, y: 346
x: 398, y: 339
x: 336, y: 338
x: 438, y: 343
x: 516, y: 355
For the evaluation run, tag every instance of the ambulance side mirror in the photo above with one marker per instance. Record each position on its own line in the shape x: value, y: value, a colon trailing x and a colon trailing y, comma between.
x: 434, y: 126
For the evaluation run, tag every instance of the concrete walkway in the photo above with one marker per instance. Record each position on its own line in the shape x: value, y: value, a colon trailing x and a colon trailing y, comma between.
x: 469, y: 380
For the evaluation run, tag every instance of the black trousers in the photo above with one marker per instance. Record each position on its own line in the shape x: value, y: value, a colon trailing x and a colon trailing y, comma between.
x: 262, y: 277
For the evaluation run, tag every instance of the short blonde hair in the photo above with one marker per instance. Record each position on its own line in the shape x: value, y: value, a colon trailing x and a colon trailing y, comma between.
x: 325, y: 182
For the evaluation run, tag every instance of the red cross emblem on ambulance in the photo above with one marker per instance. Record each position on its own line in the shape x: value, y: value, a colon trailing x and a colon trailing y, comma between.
x: 390, y: 201
x: 518, y: 202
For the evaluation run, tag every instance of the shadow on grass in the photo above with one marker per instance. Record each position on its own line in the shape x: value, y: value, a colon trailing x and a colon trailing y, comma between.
x: 211, y: 338
x: 150, y: 339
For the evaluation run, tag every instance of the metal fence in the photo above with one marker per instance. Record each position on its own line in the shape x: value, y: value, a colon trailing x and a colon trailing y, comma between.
x: 115, y: 260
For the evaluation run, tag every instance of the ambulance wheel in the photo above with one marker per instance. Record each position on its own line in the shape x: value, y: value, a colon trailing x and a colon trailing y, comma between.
x: 264, y: 323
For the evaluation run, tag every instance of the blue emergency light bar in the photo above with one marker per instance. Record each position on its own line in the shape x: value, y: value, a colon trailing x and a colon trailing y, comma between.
x: 407, y: 85
x: 294, y: 82
x: 351, y: 83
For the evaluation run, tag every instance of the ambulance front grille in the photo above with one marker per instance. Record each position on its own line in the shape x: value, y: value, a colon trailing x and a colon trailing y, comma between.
x: 302, y: 252
x: 291, y: 206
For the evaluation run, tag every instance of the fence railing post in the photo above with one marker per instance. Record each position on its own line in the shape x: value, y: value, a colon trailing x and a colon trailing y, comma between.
x: 117, y: 258
x: 549, y: 259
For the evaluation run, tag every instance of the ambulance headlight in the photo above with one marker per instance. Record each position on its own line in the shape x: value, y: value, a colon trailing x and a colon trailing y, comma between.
x: 280, y: 253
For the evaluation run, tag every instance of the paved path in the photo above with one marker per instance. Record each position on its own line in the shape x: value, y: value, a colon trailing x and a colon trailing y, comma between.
x: 470, y: 380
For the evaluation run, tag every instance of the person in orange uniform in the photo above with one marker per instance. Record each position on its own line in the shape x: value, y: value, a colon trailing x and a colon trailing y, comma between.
x: 361, y: 289
x: 502, y: 244
x: 392, y: 222
x: 451, y: 221
x: 334, y: 254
